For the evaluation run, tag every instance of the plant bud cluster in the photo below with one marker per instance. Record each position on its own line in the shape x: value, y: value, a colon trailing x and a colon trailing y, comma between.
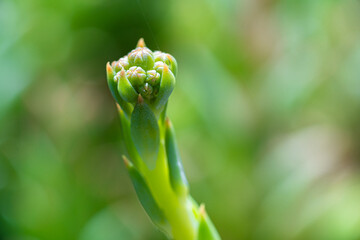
x: 150, y: 74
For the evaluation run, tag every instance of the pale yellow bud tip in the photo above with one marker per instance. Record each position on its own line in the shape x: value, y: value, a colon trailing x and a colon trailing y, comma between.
x: 202, y: 211
x: 119, y: 108
x: 109, y: 69
x: 140, y: 99
x: 141, y: 43
x: 122, y: 73
x: 127, y: 162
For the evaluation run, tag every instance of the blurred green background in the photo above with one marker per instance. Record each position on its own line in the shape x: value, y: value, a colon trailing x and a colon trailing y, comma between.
x: 266, y: 109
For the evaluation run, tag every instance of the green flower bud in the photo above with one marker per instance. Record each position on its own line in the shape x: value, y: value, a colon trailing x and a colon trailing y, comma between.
x: 159, y: 66
x: 158, y: 55
x: 168, y: 59
x: 146, y: 91
x: 117, y: 66
x: 141, y: 57
x: 152, y: 77
x: 126, y: 91
x: 124, y: 62
x: 136, y: 76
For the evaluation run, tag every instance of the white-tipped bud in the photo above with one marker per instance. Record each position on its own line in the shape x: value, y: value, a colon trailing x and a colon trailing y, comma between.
x: 152, y: 77
x: 126, y: 91
x: 124, y: 62
x: 167, y: 59
x: 136, y: 76
x: 159, y: 66
x: 146, y: 91
x: 141, y: 57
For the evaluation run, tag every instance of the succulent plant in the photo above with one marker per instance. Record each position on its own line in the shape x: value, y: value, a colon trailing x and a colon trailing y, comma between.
x: 143, y: 73
x: 141, y: 84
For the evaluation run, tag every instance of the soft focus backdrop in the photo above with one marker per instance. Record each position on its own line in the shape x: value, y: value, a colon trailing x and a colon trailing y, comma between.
x: 266, y: 109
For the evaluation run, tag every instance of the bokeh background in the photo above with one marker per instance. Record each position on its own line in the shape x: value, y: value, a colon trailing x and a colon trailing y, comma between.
x: 266, y: 109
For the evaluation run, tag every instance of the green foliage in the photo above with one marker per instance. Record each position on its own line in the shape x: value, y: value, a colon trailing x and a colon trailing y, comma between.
x: 207, y: 230
x: 176, y: 173
x: 145, y: 133
x: 145, y: 196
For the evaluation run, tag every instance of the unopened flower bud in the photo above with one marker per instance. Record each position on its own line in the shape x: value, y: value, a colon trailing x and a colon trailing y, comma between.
x: 117, y: 66
x: 157, y: 55
x: 152, y: 77
x: 168, y: 59
x: 146, y: 91
x: 141, y: 57
x: 159, y: 66
x: 124, y: 62
x: 136, y: 76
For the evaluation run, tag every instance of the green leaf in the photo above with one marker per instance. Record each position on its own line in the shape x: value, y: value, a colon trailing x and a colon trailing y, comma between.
x: 176, y: 172
x: 129, y: 144
x: 167, y: 84
x: 206, y: 230
x: 163, y: 115
x: 145, y: 133
x: 145, y: 197
x: 110, y: 73
x: 126, y: 91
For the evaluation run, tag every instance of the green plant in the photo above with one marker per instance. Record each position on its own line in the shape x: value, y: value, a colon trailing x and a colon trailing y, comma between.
x: 141, y: 84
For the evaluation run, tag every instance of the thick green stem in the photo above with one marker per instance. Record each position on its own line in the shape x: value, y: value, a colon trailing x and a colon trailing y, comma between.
x: 178, y: 210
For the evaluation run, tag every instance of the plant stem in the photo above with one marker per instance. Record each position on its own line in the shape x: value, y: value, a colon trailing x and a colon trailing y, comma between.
x: 177, y: 210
